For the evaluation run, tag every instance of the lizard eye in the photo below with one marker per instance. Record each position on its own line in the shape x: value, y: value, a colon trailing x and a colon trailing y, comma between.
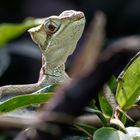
x: 51, y: 26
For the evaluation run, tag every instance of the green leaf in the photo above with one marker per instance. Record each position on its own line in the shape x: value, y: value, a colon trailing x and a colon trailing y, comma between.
x: 92, y: 110
x: 9, y: 31
x: 24, y: 101
x: 128, y: 88
x: 98, y: 113
x: 123, y: 118
x: 112, y: 84
x: 106, y: 97
x: 108, y: 133
x: 104, y: 105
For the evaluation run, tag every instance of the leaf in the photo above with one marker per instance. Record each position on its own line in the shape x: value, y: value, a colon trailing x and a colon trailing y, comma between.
x: 108, y: 133
x: 123, y: 118
x: 92, y: 110
x: 112, y: 84
x: 105, y: 106
x: 98, y: 113
x: 106, y: 97
x: 118, y: 123
x: 24, y: 101
x: 9, y: 31
x: 134, y: 132
x: 128, y: 88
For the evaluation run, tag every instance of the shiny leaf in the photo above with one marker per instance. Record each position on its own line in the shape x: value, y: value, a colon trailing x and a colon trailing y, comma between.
x: 128, y: 88
x: 104, y: 105
x: 24, y: 101
x: 108, y: 133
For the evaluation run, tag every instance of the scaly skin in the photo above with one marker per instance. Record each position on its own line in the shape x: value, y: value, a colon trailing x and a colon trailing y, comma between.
x: 57, y: 38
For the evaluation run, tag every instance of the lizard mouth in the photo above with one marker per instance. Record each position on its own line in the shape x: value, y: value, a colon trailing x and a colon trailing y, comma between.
x: 34, y: 29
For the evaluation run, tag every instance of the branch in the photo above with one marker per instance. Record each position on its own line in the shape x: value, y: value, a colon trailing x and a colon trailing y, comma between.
x: 71, y: 100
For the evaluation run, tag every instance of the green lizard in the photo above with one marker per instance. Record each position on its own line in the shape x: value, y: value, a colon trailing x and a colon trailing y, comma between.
x: 57, y: 38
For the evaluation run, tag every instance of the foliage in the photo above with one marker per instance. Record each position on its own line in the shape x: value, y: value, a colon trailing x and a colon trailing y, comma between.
x: 128, y: 89
x: 24, y: 101
x: 109, y: 133
x: 10, y: 31
x: 115, y: 99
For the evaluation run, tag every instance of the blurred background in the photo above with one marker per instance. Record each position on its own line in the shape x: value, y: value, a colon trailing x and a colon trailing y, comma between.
x: 20, y: 60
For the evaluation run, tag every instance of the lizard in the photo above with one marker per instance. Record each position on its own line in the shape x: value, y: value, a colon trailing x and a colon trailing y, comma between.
x: 57, y: 38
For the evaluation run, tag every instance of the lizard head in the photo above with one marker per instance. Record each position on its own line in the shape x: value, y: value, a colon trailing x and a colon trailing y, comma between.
x: 57, y: 36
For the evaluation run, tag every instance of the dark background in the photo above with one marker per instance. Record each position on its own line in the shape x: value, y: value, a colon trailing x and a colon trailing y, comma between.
x: 123, y: 19
x: 123, y: 15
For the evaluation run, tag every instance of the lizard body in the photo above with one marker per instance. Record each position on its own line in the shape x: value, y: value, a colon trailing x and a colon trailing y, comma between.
x: 57, y: 38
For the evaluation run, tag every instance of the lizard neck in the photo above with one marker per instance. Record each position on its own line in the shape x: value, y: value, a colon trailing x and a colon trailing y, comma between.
x: 50, y: 69
x: 55, y: 74
x: 55, y: 70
